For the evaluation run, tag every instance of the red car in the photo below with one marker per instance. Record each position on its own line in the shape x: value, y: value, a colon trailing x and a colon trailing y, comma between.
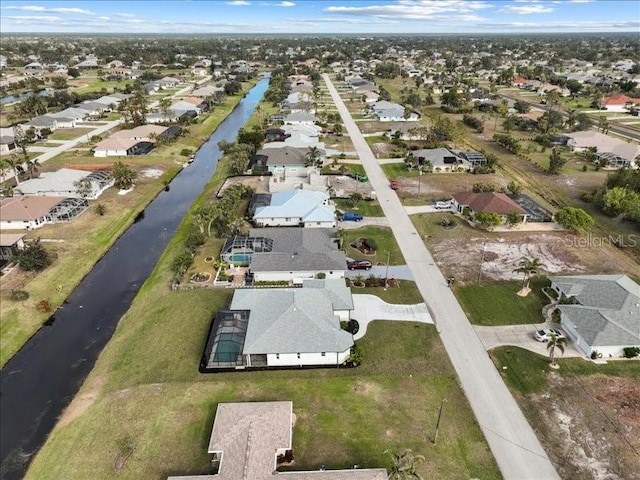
x: 393, y: 184
x: 359, y: 265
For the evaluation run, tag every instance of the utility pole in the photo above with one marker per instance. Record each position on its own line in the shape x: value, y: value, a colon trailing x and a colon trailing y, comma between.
x: 484, y: 249
x: 435, y: 438
x: 386, y: 273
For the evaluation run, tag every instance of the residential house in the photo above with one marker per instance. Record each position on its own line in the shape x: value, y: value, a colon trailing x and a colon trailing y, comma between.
x: 619, y: 103
x: 489, y: 202
x: 304, y: 208
x: 283, y: 162
x: 312, y: 131
x: 385, y: 111
x: 33, y: 69
x: 600, y: 313
x: 27, y: 213
x: 7, y: 140
x: 300, y: 118
x: 10, y: 244
x: 611, y: 152
x: 120, y: 147
x: 207, y: 91
x: 181, y: 108
x: 371, y: 97
x: 300, y: 140
x: 248, y: 438
x: 282, y: 328
x: 441, y: 160
x: 64, y: 183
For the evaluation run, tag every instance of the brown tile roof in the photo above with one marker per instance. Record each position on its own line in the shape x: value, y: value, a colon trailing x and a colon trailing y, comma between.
x: 491, y: 202
x: 25, y: 208
x: 193, y: 100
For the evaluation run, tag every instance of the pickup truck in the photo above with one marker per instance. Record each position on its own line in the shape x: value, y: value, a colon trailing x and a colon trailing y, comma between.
x: 351, y: 217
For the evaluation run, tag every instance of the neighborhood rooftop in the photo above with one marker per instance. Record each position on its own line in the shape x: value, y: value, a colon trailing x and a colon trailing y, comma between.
x: 247, y: 437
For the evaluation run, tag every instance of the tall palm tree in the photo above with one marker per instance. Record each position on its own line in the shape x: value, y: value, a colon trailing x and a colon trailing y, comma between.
x: 16, y: 165
x: 403, y: 465
x: 553, y: 343
x: 32, y: 167
x: 529, y: 267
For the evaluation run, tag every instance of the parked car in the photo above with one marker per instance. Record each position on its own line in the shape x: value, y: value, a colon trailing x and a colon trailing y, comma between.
x: 393, y: 184
x: 545, y: 334
x: 442, y: 205
x: 351, y: 217
x: 359, y: 265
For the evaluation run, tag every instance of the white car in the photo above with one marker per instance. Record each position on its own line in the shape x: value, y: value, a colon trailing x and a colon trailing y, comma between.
x: 442, y: 205
x: 545, y: 334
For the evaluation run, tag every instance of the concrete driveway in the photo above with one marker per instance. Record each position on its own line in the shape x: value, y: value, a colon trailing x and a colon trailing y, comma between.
x: 426, y: 209
x: 401, y: 272
x: 368, y: 308
x: 365, y: 222
x: 521, y: 336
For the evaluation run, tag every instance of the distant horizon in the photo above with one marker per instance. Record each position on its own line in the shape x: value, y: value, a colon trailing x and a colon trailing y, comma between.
x: 319, y: 17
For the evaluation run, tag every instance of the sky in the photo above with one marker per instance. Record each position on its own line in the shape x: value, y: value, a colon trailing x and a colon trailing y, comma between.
x: 320, y: 16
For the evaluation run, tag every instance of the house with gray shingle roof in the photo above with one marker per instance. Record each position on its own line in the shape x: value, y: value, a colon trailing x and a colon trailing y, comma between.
x: 600, y: 313
x: 282, y: 327
x: 298, y: 254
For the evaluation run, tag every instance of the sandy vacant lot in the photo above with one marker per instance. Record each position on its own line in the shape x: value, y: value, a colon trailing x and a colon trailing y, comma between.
x: 590, y: 426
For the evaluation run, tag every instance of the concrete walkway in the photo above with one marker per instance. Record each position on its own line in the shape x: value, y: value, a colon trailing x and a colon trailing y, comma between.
x: 368, y: 308
x: 516, y: 448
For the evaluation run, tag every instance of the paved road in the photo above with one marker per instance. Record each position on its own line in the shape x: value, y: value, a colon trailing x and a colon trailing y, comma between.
x: 511, y: 439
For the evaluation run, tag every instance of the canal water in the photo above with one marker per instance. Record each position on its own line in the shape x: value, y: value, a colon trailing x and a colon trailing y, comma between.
x: 42, y: 378
x: 22, y: 96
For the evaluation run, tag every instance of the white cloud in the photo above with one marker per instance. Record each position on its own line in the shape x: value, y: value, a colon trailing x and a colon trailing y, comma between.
x: 238, y: 3
x: 32, y: 18
x: 39, y: 8
x: 285, y: 4
x: 581, y: 1
x: 415, y: 9
x: 527, y: 9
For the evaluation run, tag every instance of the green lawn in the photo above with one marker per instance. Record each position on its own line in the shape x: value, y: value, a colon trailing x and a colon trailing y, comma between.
x: 498, y: 304
x: 365, y: 208
x: 385, y: 242
x: 526, y: 372
x: 394, y: 170
x: 69, y: 133
x: 406, y: 294
x: 351, y: 168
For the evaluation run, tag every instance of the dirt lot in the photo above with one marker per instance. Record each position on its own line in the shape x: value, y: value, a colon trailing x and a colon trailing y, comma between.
x: 436, y: 186
x: 459, y: 251
x: 259, y: 184
x: 591, y: 428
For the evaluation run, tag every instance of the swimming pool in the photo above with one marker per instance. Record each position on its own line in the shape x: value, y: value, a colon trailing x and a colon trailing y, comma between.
x: 241, y: 259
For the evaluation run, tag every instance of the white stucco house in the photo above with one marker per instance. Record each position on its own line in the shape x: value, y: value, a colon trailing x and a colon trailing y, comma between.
x: 64, y: 183
x: 600, y: 313
x: 295, y: 208
x: 282, y: 327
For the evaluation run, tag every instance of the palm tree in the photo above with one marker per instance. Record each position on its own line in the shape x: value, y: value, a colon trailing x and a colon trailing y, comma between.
x: 555, y: 342
x: 403, y: 465
x: 16, y: 165
x: 32, y: 167
x: 313, y: 156
x: 529, y: 267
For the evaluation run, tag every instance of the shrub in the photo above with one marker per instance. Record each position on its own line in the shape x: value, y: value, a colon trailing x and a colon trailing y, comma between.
x: 631, y: 352
x: 321, y: 276
x: 369, y: 243
x: 479, y: 187
x: 181, y: 262
x: 44, y: 306
x: 34, y: 257
x: 488, y: 220
x: 101, y: 209
x: 574, y: 219
x: 595, y: 354
x: 19, y: 295
x: 194, y: 239
x: 473, y: 122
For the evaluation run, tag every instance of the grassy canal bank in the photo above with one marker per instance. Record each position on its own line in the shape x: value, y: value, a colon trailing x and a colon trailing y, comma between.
x: 77, y: 246
x: 146, y: 412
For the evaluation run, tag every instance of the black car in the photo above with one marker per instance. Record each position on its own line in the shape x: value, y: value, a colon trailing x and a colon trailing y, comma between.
x: 359, y: 265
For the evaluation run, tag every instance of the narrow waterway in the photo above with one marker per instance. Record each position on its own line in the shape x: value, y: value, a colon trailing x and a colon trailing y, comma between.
x: 18, y: 97
x: 41, y: 379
